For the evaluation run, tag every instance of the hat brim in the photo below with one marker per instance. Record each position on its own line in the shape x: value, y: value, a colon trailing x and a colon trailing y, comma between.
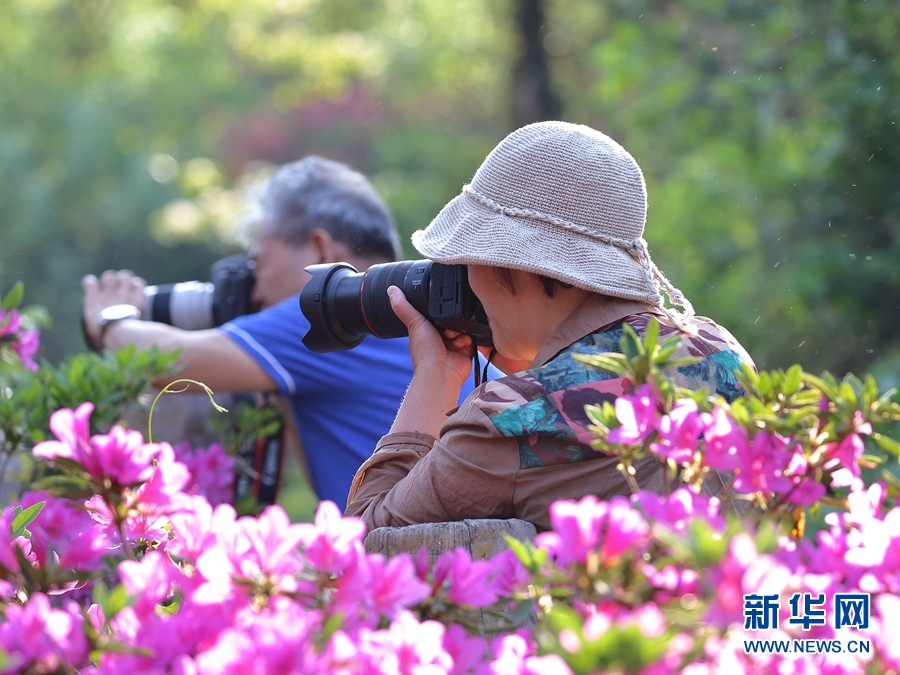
x: 466, y: 232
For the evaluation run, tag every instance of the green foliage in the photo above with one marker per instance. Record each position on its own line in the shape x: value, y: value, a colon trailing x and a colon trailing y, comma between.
x: 110, y: 381
x: 22, y: 518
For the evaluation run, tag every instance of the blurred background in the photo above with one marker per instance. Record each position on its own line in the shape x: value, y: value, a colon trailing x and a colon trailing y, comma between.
x: 131, y: 132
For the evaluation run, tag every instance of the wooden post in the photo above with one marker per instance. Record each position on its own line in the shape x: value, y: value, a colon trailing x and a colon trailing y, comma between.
x: 483, y: 539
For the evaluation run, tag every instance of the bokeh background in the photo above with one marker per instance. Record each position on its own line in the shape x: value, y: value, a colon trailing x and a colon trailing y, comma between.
x: 132, y: 132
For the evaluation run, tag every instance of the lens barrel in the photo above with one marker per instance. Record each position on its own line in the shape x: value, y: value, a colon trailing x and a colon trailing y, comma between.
x: 343, y: 305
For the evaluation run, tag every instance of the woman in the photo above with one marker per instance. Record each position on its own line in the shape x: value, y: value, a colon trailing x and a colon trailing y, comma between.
x: 551, y: 231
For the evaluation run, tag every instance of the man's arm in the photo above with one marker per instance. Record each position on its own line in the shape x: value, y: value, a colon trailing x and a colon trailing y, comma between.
x: 207, y: 356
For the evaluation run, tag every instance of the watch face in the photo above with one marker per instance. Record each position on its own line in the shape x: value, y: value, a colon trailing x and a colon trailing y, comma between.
x: 117, y: 312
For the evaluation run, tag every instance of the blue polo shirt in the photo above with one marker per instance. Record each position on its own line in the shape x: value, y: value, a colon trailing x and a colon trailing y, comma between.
x: 343, y: 402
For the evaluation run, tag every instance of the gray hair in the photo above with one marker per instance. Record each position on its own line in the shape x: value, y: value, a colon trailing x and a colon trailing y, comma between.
x: 317, y: 192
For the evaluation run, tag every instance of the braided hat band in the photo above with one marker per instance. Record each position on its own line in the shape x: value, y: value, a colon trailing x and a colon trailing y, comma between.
x: 562, y: 200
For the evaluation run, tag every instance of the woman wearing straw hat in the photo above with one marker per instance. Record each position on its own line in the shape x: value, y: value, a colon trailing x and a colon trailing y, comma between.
x: 551, y: 231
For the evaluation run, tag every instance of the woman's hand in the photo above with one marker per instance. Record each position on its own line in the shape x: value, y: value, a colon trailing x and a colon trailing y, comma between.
x: 446, y: 358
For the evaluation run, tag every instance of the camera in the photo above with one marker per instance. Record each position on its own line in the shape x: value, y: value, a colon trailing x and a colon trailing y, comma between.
x: 195, y: 305
x: 343, y: 305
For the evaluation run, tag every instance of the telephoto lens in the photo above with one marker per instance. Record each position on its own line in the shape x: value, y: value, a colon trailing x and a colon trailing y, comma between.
x: 186, y: 305
x: 195, y: 305
x: 343, y: 305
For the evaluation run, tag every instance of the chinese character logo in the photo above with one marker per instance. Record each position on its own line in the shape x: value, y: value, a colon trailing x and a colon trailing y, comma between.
x: 811, y: 612
x: 851, y: 610
x: 760, y: 611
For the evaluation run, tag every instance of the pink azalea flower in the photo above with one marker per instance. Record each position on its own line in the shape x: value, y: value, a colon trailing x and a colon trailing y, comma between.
x: 467, y: 581
x: 393, y: 584
x: 843, y: 460
x: 679, y: 432
x: 637, y: 415
x: 610, y: 528
x: 743, y: 570
x: 278, y: 639
x: 679, y: 508
x: 26, y: 344
x: 407, y: 646
x: 149, y: 580
x: 887, y: 628
x: 167, y: 478
x: 211, y: 471
x: 26, y: 347
x: 513, y: 655
x: 39, y: 638
x: 196, y: 527
x: 10, y: 322
x: 726, y: 442
x: 468, y: 653
x: 64, y: 534
x: 72, y: 428
x: 258, y: 552
x: 510, y: 574
x: 332, y: 543
x: 761, y: 466
x: 576, y: 529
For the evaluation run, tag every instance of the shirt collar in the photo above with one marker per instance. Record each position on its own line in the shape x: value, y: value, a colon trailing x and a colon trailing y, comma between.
x: 594, y: 314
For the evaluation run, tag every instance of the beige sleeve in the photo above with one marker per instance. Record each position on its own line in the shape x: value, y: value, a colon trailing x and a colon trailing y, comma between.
x: 411, y: 478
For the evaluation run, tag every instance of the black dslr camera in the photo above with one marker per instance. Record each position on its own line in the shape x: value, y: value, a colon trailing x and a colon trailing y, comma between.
x: 343, y: 305
x: 195, y: 305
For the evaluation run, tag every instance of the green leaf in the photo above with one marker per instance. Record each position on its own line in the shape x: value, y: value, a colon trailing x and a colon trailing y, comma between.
x: 887, y: 443
x: 24, y: 518
x: 14, y: 297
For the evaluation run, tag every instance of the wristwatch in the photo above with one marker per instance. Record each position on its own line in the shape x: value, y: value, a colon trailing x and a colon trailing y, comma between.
x: 109, y: 315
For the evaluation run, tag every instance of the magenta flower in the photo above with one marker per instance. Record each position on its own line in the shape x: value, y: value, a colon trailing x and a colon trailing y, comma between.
x: 149, y: 580
x: 279, y: 639
x: 514, y: 655
x: 843, y: 460
x: 197, y: 526
x: 726, y: 442
x: 468, y: 653
x: 211, y: 471
x: 637, y: 415
x: 679, y: 508
x: 120, y: 455
x: 332, y: 543
x: 679, y: 432
x: 385, y: 585
x: 26, y: 343
x: 576, y: 529
x: 166, y: 480
x: 72, y: 428
x: 258, y: 554
x: 41, y: 639
x: 26, y: 347
x: 63, y: 535
x: 761, y: 466
x: 609, y: 528
x: 407, y: 646
x: 887, y: 628
x: 467, y: 581
x: 743, y: 570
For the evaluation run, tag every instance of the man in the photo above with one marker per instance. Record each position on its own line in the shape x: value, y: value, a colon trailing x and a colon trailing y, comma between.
x: 313, y: 211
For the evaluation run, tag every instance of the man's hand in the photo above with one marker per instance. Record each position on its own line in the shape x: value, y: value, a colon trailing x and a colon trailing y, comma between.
x: 112, y: 288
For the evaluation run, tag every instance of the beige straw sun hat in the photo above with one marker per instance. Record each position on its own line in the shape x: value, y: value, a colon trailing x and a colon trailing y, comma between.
x: 557, y: 199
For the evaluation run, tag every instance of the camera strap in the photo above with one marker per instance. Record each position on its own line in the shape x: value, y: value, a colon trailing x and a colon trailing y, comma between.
x: 480, y: 375
x: 258, y: 487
